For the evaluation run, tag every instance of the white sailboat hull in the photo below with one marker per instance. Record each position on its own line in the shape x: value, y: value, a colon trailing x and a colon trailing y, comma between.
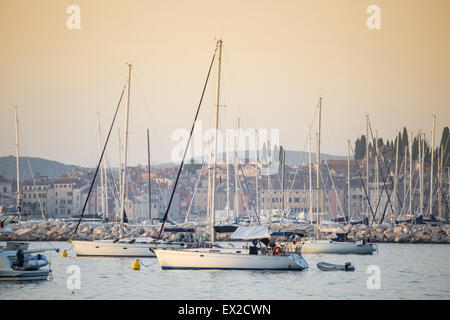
x: 203, y: 259
x: 327, y: 246
x: 110, y: 249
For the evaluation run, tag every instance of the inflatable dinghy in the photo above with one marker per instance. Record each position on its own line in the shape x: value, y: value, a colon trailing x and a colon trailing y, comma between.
x: 335, y: 267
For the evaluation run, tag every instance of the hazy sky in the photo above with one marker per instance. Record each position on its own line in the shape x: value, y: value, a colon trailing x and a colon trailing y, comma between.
x: 279, y: 57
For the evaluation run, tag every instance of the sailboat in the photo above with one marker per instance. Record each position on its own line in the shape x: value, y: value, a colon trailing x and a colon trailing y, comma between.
x: 260, y: 256
x: 340, y: 244
x: 17, y: 262
x: 122, y: 247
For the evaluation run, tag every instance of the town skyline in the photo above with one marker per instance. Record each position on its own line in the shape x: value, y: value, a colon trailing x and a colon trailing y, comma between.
x: 271, y: 79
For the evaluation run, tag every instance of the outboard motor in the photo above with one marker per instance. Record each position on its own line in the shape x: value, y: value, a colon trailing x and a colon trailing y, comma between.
x: 347, y: 266
x: 20, y: 258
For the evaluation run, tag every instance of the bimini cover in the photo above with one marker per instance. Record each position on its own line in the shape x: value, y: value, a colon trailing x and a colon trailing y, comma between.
x: 250, y: 233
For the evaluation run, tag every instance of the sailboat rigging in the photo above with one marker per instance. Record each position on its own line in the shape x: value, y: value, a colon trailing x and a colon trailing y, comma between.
x: 216, y: 257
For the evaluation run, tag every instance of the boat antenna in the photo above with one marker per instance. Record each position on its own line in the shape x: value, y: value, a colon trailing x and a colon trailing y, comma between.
x: 187, y: 145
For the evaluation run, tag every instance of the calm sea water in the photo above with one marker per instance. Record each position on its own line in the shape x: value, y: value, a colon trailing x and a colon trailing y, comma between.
x: 407, y: 271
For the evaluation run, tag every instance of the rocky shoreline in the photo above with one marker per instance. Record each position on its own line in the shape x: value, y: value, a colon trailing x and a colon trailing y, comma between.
x: 62, y: 231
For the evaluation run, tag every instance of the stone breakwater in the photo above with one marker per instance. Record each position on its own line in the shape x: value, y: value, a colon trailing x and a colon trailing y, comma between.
x: 61, y: 231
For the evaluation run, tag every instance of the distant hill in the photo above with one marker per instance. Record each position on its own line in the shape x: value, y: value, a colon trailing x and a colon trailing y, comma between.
x: 292, y: 158
x: 52, y: 169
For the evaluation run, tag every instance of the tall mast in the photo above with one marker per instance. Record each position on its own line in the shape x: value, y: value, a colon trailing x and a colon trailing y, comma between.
x: 405, y: 158
x: 269, y: 197
x: 149, y: 180
x: 432, y: 163
x: 367, y: 163
x: 396, y: 178
x: 219, y: 62
x: 228, y: 183
x: 440, y: 182
x: 310, y: 180
x: 376, y: 172
x: 208, y: 212
x: 349, y: 196
x: 19, y: 201
x: 123, y: 195
x: 283, y: 165
x: 410, y: 174
x: 102, y: 177
x: 236, y: 170
x: 421, y: 145
x: 318, y: 163
x: 256, y: 173
x: 120, y: 170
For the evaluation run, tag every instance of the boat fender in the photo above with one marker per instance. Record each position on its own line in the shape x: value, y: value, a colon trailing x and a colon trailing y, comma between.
x: 277, y: 250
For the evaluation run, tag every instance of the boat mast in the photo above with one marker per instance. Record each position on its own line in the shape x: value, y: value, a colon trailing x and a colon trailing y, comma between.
x: 318, y: 164
x: 117, y: 199
x: 283, y: 200
x: 19, y: 200
x: 228, y: 184
x: 367, y: 163
x: 410, y: 174
x: 208, y: 211
x: 396, y: 178
x: 102, y: 178
x: 256, y: 172
x: 440, y: 182
x: 236, y: 170
x: 405, y: 158
x: 269, y: 197
x: 376, y: 172
x: 149, y: 180
x: 422, y: 165
x: 123, y: 191
x: 432, y: 163
x: 219, y: 46
x: 310, y: 180
x: 349, y: 204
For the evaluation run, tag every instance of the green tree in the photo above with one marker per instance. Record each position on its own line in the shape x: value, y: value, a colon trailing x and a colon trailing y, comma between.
x: 360, y: 147
x: 415, y: 148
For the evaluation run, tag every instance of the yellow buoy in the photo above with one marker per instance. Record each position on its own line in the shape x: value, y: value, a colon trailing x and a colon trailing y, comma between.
x: 64, y: 254
x: 69, y: 241
x: 136, y: 265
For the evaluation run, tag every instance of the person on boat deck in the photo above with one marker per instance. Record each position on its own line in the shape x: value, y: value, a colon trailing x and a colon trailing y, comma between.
x: 253, y: 250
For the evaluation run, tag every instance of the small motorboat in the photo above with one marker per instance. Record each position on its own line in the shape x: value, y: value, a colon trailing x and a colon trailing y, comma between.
x: 17, y: 262
x: 324, y: 266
